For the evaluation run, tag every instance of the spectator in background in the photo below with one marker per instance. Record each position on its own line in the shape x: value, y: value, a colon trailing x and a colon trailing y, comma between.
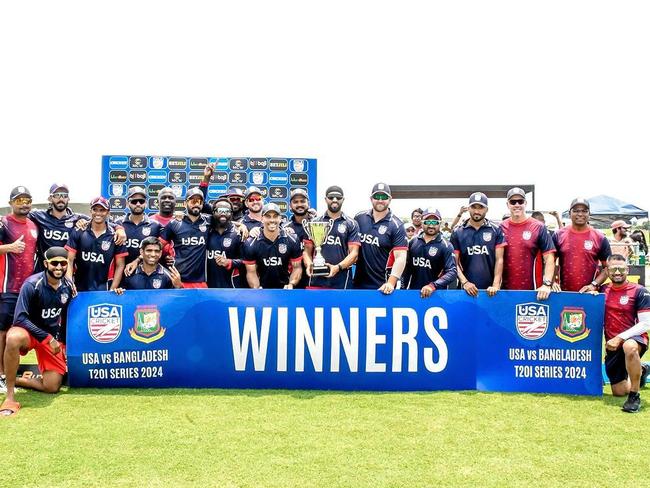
x: 458, y: 217
x: 639, y: 237
x: 416, y: 220
x: 446, y: 231
x: 410, y: 230
x: 620, y: 242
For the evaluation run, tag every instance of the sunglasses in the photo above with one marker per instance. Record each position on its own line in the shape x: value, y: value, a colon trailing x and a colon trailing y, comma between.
x: 431, y: 222
x: 58, y: 262
x: 254, y: 199
x: 617, y: 269
x: 22, y: 200
x: 516, y: 202
x: 137, y: 201
x: 222, y: 210
x: 195, y: 200
x: 235, y: 199
x: 59, y: 195
x: 380, y: 196
x: 334, y: 198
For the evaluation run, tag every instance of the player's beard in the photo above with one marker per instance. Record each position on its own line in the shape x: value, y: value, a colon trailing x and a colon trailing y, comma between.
x: 60, y: 206
x: 52, y: 274
x: 300, y: 212
x: 194, y: 211
x: 334, y: 207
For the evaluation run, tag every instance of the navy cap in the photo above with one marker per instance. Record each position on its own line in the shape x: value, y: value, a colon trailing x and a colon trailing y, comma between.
x: 194, y: 192
x: 515, y: 191
x: 251, y: 190
x: 478, y: 198
x: 137, y: 190
x: 19, y: 191
x: 271, y: 207
x: 431, y: 212
x: 381, y: 188
x: 234, y: 192
x: 58, y: 186
x: 299, y: 192
x: 101, y: 201
x: 334, y: 191
x: 579, y: 201
x: 55, y: 252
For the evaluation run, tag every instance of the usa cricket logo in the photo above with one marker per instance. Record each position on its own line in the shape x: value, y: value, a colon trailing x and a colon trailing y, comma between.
x: 589, y: 245
x: 487, y: 237
x: 531, y: 320
x: 105, y: 322
x: 527, y: 235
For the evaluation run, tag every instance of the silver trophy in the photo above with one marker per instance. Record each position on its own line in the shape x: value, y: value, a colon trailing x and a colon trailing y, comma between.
x: 318, y: 232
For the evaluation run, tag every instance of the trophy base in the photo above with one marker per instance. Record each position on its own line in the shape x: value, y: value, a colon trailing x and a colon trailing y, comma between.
x: 320, y: 271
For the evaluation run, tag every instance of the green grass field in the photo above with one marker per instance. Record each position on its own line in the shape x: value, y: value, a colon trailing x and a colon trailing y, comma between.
x: 309, y: 438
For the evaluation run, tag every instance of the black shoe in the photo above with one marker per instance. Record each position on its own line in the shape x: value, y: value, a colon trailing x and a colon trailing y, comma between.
x: 633, y: 402
x: 645, y: 369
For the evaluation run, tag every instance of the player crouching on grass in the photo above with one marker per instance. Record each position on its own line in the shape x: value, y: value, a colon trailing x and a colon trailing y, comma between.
x: 41, y: 307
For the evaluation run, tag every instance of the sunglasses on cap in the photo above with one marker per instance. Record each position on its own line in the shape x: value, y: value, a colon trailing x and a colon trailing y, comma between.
x: 57, y: 262
x: 380, y: 196
x: 137, y: 201
x: 431, y: 222
x: 516, y: 202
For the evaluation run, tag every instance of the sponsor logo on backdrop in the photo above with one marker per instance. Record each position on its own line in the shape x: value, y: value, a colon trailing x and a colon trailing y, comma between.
x: 177, y: 177
x: 238, y: 178
x: 238, y: 164
x: 299, y: 165
x: 118, y: 163
x: 573, y: 325
x: 278, y: 192
x: 198, y: 163
x: 278, y: 179
x: 278, y: 165
x: 147, y: 326
x: 105, y: 322
x: 157, y: 176
x: 137, y: 176
x: 298, y: 179
x: 531, y: 320
x: 117, y: 203
x: 117, y: 176
x: 137, y: 162
x: 157, y: 162
x: 258, y: 163
x: 117, y: 190
x: 177, y: 163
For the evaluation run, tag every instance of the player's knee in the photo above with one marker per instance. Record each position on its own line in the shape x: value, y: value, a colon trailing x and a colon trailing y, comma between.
x: 51, y: 387
x: 620, y: 389
x: 630, y: 347
x: 17, y: 337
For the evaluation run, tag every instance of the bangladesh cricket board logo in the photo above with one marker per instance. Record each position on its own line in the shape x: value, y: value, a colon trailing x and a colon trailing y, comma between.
x: 105, y: 322
x: 147, y: 326
x: 532, y: 320
x: 573, y: 327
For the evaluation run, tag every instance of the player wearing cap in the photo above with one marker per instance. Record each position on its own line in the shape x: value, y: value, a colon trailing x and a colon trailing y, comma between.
x: 273, y: 258
x: 136, y: 224
x: 526, y: 237
x: 95, y: 253
x: 430, y: 265
x: 254, y: 203
x: 18, y: 237
x: 580, y: 250
x: 341, y: 247
x: 479, y: 247
x: 39, y: 325
x: 224, y: 249
x: 620, y: 242
x: 627, y: 321
x: 189, y: 236
x: 380, y: 233
x: 55, y: 223
x: 150, y: 274
x: 299, y: 205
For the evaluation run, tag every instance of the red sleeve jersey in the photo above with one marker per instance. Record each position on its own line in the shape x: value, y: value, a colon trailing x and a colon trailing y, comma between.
x: 17, y: 267
x: 622, y: 304
x: 580, y: 254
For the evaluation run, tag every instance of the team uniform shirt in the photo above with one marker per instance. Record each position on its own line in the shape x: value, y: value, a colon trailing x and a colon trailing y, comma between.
x: 53, y: 231
x: 476, y: 251
x: 135, y: 233
x: 251, y: 223
x: 377, y: 240
x: 190, y: 243
x: 301, y: 235
x: 622, y: 306
x: 344, y: 234
x: 41, y: 309
x: 17, y: 267
x: 229, y: 245
x: 579, y: 254
x: 525, y: 240
x: 94, y: 258
x: 139, y: 280
x: 163, y: 221
x: 430, y: 263
x: 274, y: 259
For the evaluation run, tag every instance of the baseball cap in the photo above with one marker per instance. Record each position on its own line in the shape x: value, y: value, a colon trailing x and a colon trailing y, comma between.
x: 579, y: 201
x: 167, y: 189
x: 194, y: 192
x: 478, y: 198
x: 299, y: 192
x: 101, y: 201
x: 620, y: 223
x: 381, y: 188
x: 431, y: 212
x: 334, y: 191
x: 271, y: 207
x: 409, y: 225
x: 56, y: 252
x: 251, y: 190
x: 137, y: 190
x: 58, y: 186
x: 233, y: 192
x: 19, y: 191
x: 515, y: 191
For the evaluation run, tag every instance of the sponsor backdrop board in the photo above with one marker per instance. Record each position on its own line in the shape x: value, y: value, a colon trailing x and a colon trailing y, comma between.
x: 275, y: 177
x: 340, y: 340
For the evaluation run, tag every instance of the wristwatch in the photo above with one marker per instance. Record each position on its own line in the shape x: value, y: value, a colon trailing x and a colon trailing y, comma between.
x: 546, y: 282
x: 594, y: 284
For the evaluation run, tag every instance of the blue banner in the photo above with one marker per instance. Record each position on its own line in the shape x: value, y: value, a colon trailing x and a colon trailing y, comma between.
x: 340, y: 340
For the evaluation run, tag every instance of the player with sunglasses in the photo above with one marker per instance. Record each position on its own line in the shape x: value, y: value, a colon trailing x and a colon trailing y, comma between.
x: 382, y: 237
x: 254, y: 202
x: 627, y: 321
x: 430, y: 265
x: 136, y: 224
x: 39, y: 325
x: 224, y: 264
x: 527, y: 239
x: 18, y: 239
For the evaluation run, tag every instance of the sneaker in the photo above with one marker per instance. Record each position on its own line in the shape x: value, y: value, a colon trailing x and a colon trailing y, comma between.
x: 3, y: 384
x: 645, y: 369
x: 633, y: 402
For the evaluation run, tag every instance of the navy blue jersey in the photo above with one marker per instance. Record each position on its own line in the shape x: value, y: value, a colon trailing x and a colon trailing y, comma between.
x: 52, y: 231
x: 94, y: 257
x: 41, y: 309
x: 429, y: 263
x: 274, y: 259
x: 229, y: 245
x: 139, y: 280
x: 377, y: 239
x: 135, y: 233
x: 190, y: 241
x: 301, y: 235
x: 476, y: 250
x: 251, y: 223
x: 344, y: 234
